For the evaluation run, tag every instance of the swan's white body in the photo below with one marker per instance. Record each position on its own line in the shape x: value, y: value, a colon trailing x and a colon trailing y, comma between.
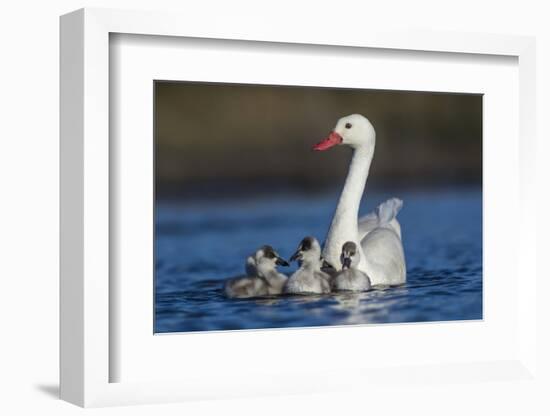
x: 378, y: 234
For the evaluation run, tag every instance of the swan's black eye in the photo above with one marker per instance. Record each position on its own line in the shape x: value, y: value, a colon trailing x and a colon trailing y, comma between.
x: 348, y: 125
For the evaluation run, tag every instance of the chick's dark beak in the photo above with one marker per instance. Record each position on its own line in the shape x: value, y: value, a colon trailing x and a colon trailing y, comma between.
x: 281, y: 262
x: 346, y: 263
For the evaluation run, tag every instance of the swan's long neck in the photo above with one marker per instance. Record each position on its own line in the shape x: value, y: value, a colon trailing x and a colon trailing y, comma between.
x: 344, y: 223
x: 350, y: 198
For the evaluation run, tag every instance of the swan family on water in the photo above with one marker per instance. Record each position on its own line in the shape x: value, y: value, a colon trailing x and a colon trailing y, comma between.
x: 357, y: 253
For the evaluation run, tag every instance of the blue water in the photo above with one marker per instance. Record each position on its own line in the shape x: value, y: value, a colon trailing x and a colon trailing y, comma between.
x: 200, y: 244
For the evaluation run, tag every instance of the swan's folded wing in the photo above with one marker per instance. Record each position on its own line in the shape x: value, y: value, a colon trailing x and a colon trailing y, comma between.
x: 366, y: 224
x: 384, y: 214
x: 388, y: 210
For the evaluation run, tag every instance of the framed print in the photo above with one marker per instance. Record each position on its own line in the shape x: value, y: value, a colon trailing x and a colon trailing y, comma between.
x: 227, y: 198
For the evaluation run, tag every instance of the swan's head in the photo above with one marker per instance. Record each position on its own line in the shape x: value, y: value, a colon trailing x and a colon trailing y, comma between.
x: 354, y: 130
x: 309, y: 252
x: 266, y: 258
x: 350, y: 255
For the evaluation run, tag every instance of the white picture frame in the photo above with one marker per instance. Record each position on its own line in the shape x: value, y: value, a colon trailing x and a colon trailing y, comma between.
x: 86, y: 263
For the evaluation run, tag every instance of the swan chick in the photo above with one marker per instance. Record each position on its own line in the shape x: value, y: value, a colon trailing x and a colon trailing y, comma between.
x: 262, y: 277
x: 350, y: 278
x: 267, y: 261
x: 308, y: 278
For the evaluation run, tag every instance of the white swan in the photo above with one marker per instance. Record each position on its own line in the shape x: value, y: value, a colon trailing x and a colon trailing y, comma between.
x: 378, y: 234
x: 308, y: 278
x: 262, y: 277
x: 349, y: 278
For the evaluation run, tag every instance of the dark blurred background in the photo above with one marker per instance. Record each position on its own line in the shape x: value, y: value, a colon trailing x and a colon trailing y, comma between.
x: 229, y: 139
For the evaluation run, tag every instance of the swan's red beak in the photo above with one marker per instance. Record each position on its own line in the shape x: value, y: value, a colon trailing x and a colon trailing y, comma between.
x: 332, y: 140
